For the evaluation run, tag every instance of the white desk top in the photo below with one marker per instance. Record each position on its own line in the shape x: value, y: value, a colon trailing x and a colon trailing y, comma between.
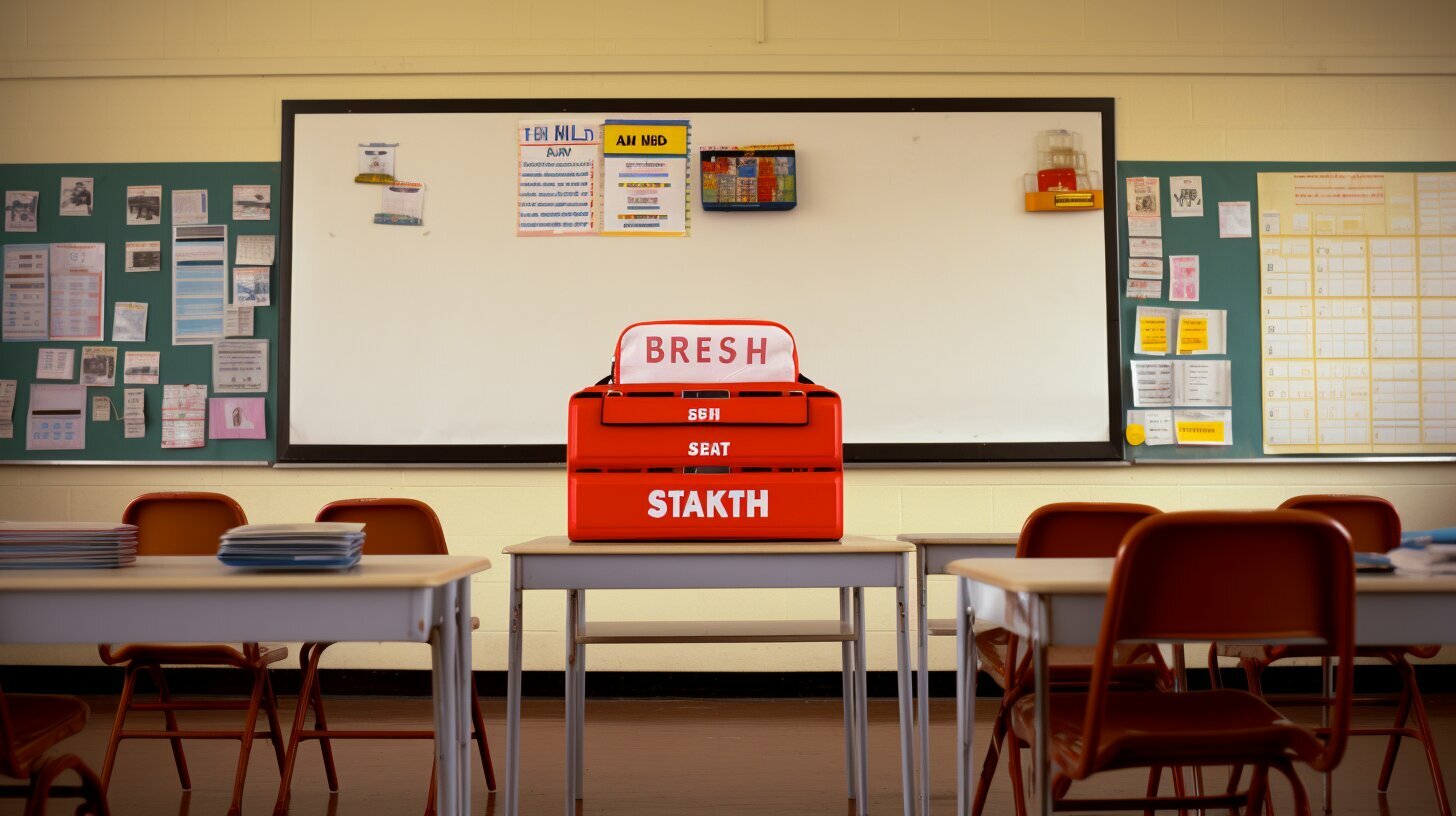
x: 1091, y: 576
x: 961, y: 539
x: 200, y: 572
x: 561, y: 545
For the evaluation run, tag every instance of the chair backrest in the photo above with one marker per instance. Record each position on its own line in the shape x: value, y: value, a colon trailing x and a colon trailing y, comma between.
x: 1259, y: 576
x: 391, y: 526
x: 182, y: 523
x: 1078, y: 529
x: 9, y: 762
x: 1372, y: 522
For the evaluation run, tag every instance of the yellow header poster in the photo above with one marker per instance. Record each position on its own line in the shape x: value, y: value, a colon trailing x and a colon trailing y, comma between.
x: 646, y: 178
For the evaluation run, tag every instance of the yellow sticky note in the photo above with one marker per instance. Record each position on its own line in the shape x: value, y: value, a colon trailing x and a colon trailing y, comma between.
x: 1192, y: 335
x: 1190, y: 433
x: 1153, y: 331
x: 1136, y: 434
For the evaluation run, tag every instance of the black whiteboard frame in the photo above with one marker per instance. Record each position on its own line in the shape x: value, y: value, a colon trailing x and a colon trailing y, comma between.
x: 860, y: 453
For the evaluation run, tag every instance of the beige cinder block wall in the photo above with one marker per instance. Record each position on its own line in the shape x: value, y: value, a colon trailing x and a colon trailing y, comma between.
x: 201, y: 80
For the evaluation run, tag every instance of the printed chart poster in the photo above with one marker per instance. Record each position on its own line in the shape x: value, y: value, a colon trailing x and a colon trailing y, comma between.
x: 646, y: 173
x: 199, y: 283
x: 78, y: 291
x: 556, y: 178
x: 26, y: 297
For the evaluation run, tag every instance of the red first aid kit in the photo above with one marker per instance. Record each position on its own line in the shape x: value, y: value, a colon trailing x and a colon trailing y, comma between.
x: 705, y: 431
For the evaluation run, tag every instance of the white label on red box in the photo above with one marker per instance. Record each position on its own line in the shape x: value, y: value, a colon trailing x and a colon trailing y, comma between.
x: 706, y: 353
x: 707, y: 504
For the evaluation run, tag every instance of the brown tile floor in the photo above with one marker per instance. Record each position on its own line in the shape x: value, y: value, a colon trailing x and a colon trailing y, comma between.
x: 730, y: 757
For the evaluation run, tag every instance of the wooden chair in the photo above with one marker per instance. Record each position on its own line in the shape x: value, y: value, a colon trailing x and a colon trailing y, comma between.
x: 1170, y: 584
x: 391, y: 527
x: 1062, y: 530
x: 1374, y: 526
x: 191, y: 524
x: 30, y: 724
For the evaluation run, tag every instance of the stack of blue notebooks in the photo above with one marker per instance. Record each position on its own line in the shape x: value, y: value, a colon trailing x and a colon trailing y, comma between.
x: 66, y: 545
x: 1426, y: 552
x: 323, y: 545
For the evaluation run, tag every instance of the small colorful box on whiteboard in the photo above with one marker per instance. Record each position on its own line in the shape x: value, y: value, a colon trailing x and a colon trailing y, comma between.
x: 706, y: 432
x: 756, y: 177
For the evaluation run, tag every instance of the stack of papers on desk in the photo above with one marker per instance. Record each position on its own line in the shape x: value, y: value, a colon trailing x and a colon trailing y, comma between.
x: 66, y: 545
x: 1426, y: 552
x: 315, y: 545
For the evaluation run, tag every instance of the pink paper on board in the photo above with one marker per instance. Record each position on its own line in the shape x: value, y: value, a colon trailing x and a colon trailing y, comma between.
x: 236, y: 418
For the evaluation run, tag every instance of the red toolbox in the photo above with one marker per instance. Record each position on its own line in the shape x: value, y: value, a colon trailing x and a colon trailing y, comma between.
x: 745, y: 449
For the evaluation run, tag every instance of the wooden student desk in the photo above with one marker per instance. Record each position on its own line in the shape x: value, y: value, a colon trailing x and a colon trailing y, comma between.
x: 848, y: 565
x: 195, y: 599
x: 1059, y: 601
x: 933, y: 552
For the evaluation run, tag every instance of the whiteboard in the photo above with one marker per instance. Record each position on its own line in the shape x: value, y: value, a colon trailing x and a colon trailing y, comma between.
x: 955, y: 325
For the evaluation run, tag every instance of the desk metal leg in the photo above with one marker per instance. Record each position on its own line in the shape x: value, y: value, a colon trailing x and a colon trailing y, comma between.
x: 580, y: 697
x: 902, y: 665
x: 511, y: 792
x: 464, y: 691
x: 1041, y: 633
x: 846, y: 670
x: 922, y: 671
x: 965, y: 699
x: 570, y: 699
x: 448, y: 710
x: 861, y: 708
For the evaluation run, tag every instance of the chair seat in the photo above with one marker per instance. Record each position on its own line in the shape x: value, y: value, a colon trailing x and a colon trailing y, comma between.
x: 197, y: 654
x: 38, y: 721
x: 1269, y: 653
x: 1143, y: 728
x: 1069, y: 665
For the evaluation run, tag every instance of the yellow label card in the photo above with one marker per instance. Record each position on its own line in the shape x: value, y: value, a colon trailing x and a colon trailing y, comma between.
x: 1192, y: 335
x: 1154, y: 334
x: 645, y: 138
x: 1190, y: 433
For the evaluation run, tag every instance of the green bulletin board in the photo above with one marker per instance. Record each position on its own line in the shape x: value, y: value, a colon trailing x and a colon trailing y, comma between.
x: 1228, y: 279
x: 180, y: 364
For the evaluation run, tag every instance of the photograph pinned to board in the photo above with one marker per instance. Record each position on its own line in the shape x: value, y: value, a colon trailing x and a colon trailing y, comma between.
x: 143, y: 256
x: 645, y: 187
x: 26, y: 295
x: 402, y: 204
x: 236, y: 418
x: 129, y: 322
x: 144, y: 205
x: 251, y: 286
x: 252, y: 202
x: 78, y: 291
x: 134, y: 412
x: 77, y: 195
x: 556, y: 176
x: 1143, y: 196
x: 55, y: 364
x: 98, y: 365
x: 22, y: 210
x: 376, y: 163
x: 184, y: 416
x: 189, y: 207
x: 141, y: 368
x: 56, y: 418
x: 1185, y: 196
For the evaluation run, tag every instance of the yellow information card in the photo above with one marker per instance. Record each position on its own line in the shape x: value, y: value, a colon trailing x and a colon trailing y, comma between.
x: 1193, y: 433
x: 1192, y: 334
x: 645, y: 138
x: 1153, y: 331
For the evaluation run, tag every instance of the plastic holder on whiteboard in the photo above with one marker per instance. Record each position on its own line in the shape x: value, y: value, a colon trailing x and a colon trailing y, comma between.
x: 748, y: 178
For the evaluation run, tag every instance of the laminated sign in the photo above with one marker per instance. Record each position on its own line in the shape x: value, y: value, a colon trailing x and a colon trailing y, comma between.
x: 706, y: 431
